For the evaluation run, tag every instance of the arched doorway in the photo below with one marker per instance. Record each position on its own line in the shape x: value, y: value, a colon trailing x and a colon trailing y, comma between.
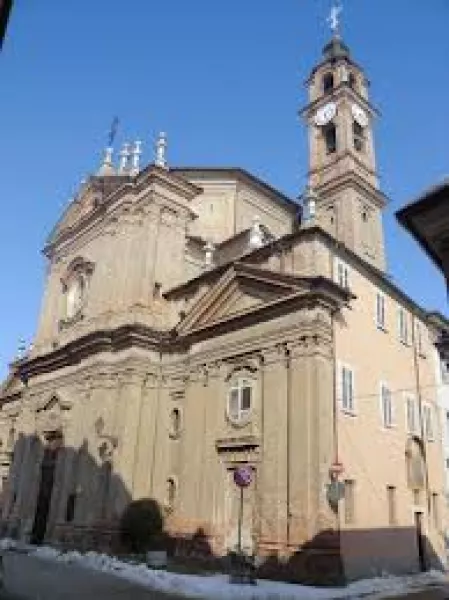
x: 53, y: 445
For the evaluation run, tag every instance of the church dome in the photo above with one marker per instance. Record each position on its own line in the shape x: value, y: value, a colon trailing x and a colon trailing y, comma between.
x: 334, y: 49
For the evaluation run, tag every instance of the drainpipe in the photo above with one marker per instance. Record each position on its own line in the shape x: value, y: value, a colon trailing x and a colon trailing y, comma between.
x: 289, y: 402
x: 420, y: 410
x: 335, y: 414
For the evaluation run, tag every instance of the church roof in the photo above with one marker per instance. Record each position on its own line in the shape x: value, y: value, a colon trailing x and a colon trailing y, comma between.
x: 244, y: 175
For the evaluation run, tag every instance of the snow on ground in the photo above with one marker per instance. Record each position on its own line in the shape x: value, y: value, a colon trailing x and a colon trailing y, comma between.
x: 217, y: 587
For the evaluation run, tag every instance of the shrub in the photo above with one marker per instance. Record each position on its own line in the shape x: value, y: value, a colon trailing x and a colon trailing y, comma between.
x: 141, y: 525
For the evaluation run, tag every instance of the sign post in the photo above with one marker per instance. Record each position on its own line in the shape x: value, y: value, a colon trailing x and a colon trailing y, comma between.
x: 243, y: 572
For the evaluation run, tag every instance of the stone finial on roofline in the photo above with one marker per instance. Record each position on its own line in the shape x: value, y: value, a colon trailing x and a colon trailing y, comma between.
x: 135, y: 157
x: 256, y: 234
x: 309, y: 199
x: 124, y: 159
x: 161, y: 151
x: 21, y: 348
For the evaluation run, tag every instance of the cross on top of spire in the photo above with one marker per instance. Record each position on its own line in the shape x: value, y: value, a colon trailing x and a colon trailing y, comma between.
x: 334, y: 19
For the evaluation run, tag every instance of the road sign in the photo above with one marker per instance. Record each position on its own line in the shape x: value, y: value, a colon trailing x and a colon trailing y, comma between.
x: 243, y: 476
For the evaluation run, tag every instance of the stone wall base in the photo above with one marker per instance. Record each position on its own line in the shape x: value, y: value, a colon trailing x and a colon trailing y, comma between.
x: 312, y: 563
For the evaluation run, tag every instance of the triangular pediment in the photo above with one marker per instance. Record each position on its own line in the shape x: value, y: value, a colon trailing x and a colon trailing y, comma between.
x: 240, y: 291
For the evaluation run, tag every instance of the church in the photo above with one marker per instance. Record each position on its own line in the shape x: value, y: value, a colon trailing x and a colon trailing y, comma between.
x: 196, y: 320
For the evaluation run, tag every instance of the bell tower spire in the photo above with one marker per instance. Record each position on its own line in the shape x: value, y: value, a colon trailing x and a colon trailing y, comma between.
x: 342, y: 166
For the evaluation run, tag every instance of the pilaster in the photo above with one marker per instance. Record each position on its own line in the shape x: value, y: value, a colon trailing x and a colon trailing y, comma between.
x: 273, y: 477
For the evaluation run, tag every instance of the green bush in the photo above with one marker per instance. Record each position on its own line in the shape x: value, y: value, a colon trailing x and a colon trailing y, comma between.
x: 141, y: 526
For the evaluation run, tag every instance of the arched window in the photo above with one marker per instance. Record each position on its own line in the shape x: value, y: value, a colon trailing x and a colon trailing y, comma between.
x: 175, y: 422
x: 328, y: 83
x: 171, y: 492
x: 358, y: 136
x: 330, y: 138
x: 240, y: 400
x: 75, y: 285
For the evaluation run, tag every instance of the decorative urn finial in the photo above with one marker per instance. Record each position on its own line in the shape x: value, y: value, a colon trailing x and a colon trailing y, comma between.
x: 161, y: 150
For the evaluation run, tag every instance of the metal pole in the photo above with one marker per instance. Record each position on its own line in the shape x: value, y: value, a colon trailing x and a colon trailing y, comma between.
x: 239, y: 547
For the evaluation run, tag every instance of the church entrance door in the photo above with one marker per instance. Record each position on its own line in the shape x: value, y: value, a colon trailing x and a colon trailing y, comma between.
x: 47, y: 475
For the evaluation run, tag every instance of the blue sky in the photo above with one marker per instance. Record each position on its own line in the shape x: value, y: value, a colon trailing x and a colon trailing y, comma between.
x: 225, y: 80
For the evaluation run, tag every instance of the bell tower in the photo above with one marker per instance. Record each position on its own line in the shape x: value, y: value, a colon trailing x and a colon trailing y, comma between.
x: 342, y: 167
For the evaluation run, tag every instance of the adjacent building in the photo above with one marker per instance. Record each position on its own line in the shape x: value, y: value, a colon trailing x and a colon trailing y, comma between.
x: 193, y: 322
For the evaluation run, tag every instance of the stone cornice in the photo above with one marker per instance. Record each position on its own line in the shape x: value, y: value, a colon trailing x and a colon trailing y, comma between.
x: 72, y: 353
x: 311, y: 334
x: 112, y: 201
x: 341, y: 182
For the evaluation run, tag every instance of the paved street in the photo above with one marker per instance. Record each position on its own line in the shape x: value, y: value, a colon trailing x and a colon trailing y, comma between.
x: 430, y: 594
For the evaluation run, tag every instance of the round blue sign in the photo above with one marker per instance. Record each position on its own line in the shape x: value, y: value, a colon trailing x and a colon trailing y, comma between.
x: 243, y: 476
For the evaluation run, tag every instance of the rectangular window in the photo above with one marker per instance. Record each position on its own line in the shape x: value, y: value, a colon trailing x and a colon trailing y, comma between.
x: 358, y: 136
x: 380, y: 311
x: 419, y: 339
x: 330, y: 138
x: 428, y: 422
x: 391, y: 500
x: 341, y: 273
x: 246, y: 398
x: 410, y: 405
x: 349, y: 501
x: 386, y: 405
x: 402, y: 326
x: 234, y: 403
x: 347, y: 388
x: 435, y: 512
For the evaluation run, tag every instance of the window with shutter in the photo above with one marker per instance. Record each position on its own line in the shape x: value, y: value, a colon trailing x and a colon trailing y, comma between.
x: 386, y: 406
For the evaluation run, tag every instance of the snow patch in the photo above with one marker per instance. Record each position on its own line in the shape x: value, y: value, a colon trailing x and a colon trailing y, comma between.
x: 217, y: 587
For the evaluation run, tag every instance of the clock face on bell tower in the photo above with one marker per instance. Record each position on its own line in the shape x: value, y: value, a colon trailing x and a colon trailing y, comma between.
x: 342, y: 166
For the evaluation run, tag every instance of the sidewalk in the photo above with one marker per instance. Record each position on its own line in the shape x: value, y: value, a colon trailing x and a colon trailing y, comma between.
x: 50, y: 577
x: 33, y: 578
x: 438, y: 593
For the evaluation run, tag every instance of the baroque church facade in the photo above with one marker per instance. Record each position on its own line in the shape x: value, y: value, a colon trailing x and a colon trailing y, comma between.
x: 194, y: 321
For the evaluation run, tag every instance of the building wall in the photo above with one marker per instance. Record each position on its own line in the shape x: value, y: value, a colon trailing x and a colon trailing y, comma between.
x: 140, y: 244
x: 229, y: 205
x: 373, y: 455
x: 442, y: 379
x: 215, y: 208
x: 133, y: 397
x: 251, y: 204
